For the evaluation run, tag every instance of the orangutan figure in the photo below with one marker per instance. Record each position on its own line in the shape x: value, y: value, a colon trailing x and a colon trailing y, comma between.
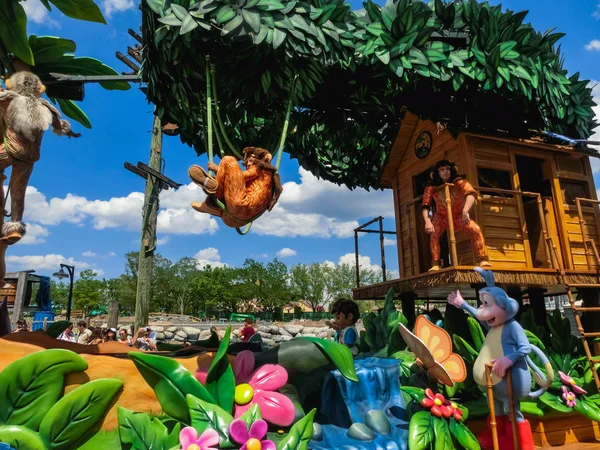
x: 24, y: 118
x: 246, y: 193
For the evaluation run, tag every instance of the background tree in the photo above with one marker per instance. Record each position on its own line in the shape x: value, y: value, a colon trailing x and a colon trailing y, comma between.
x: 87, y: 291
x: 309, y: 284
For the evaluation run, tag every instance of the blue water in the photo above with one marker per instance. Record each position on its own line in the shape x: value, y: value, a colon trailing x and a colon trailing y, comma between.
x: 345, y: 402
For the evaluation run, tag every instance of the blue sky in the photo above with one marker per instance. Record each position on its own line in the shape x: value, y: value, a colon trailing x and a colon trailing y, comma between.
x: 84, y: 208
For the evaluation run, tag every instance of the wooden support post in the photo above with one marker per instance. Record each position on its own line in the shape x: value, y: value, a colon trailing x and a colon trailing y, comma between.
x: 356, y: 258
x: 19, y: 299
x: 451, y: 235
x: 148, y: 241
x: 381, y: 243
x: 538, y: 304
x: 45, y: 325
x: 408, y: 307
x: 113, y: 314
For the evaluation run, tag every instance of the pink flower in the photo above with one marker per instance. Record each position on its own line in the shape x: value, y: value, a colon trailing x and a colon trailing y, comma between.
x: 250, y: 440
x: 261, y: 390
x: 568, y: 397
x: 243, y: 366
x: 567, y: 380
x: 189, y: 440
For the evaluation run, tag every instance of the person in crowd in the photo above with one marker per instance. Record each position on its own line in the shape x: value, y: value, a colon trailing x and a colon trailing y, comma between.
x: 248, y: 331
x: 143, y: 340
x: 123, y: 337
x: 95, y: 337
x: 21, y: 326
x: 111, y: 335
x: 104, y: 335
x: 214, y: 334
x: 67, y: 335
x: 84, y: 332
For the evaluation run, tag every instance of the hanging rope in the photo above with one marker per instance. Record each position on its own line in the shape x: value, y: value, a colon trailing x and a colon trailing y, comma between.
x: 211, y: 92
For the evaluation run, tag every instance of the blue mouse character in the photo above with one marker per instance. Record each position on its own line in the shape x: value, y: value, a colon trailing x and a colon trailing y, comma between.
x: 505, y: 346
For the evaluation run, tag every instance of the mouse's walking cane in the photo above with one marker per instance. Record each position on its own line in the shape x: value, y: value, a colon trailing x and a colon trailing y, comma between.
x: 513, y: 410
x: 490, y: 395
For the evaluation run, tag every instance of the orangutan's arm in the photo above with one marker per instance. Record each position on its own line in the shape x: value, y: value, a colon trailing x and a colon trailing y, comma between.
x: 251, y: 173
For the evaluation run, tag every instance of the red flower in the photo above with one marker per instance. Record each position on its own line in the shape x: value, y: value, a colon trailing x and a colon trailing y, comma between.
x: 437, y: 404
x: 456, y: 412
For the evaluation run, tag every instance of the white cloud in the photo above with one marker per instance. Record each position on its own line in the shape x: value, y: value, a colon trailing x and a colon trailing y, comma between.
x: 185, y: 221
x: 35, y: 234
x: 364, y: 263
x: 112, y: 254
x: 388, y: 242
x: 41, y: 262
x: 209, y: 257
x: 597, y: 12
x: 112, y: 6
x: 594, y: 45
x: 36, y: 12
x: 89, y: 253
x: 286, y: 252
x: 162, y: 241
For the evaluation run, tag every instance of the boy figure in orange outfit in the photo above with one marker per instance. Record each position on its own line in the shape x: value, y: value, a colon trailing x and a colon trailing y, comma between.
x: 463, y: 197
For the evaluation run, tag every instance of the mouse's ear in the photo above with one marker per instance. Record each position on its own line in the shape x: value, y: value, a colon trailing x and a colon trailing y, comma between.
x: 487, y: 275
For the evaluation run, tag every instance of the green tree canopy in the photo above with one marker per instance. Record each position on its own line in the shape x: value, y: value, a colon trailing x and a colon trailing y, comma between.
x: 354, y: 74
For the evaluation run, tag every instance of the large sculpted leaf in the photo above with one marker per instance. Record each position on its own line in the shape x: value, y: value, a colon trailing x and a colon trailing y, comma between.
x: 81, y: 65
x: 171, y: 383
x: 80, y: 9
x: 30, y: 386
x: 420, y: 431
x: 338, y: 354
x: 47, y: 49
x: 21, y: 438
x: 78, y: 415
x: 144, y: 433
x: 207, y: 415
x: 220, y: 381
x: 299, y: 435
x: 463, y: 435
x: 72, y: 110
x: 13, y: 30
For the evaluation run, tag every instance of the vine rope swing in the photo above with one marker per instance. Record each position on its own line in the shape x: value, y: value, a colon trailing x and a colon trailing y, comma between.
x: 211, y: 95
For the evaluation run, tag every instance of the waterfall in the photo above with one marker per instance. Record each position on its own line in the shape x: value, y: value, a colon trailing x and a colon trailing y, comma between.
x: 371, y: 410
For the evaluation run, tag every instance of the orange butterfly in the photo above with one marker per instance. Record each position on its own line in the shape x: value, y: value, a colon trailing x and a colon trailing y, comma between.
x: 433, y: 348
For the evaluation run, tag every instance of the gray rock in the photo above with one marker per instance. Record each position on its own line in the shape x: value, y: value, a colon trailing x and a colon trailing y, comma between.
x: 323, y: 330
x: 181, y: 334
x: 309, y: 335
x: 299, y: 335
x: 172, y: 329
x: 360, y: 432
x: 284, y: 332
x: 293, y: 329
x: 274, y: 329
x: 322, y: 335
x: 269, y: 342
x: 179, y: 339
x: 276, y: 338
x: 309, y: 330
x: 168, y: 335
x: 204, y: 333
x: 330, y: 332
x: 158, y: 329
x: 285, y: 338
x: 191, y: 331
x: 264, y: 329
x: 265, y: 335
x: 160, y: 336
x: 376, y: 421
x: 317, y: 432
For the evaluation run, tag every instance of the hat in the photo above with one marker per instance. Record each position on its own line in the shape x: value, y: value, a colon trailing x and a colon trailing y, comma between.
x: 114, y: 330
x: 148, y: 329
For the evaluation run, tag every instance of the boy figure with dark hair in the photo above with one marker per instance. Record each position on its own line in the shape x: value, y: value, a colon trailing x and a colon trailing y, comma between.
x: 463, y: 197
x: 346, y: 317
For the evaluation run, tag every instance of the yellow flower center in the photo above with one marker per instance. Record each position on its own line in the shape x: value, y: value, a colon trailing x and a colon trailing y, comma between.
x: 571, y: 380
x: 437, y: 402
x: 570, y: 397
x: 243, y: 395
x: 454, y: 405
x: 253, y: 444
x: 193, y: 447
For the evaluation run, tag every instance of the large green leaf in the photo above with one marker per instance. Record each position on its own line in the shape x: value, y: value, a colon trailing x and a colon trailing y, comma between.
x: 338, y: 354
x: 144, y: 433
x: 555, y: 402
x: 252, y: 415
x: 420, y: 431
x: 443, y: 439
x: 21, y: 438
x: 171, y: 383
x: 31, y: 385
x: 588, y: 409
x: 299, y: 435
x: 417, y: 394
x: 476, y: 333
x: 13, y: 30
x: 207, y: 415
x: 47, y: 49
x: 80, y: 9
x: 72, y: 110
x: 78, y: 415
x: 71, y: 65
x: 220, y: 381
x: 531, y: 407
x: 463, y: 435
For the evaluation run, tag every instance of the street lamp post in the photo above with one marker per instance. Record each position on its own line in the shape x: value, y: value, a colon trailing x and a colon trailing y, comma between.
x: 60, y: 275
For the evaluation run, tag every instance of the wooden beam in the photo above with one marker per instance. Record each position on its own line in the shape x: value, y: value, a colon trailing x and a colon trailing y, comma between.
x: 19, y: 298
x: 134, y: 35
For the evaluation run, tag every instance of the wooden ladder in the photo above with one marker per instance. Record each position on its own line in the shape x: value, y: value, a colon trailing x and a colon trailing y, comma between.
x: 585, y: 335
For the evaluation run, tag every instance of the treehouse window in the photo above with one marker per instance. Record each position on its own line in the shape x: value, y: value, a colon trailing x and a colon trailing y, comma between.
x: 569, y: 164
x: 573, y: 189
x: 496, y: 179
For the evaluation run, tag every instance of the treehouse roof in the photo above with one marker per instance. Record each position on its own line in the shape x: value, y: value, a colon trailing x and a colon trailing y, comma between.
x: 467, y: 65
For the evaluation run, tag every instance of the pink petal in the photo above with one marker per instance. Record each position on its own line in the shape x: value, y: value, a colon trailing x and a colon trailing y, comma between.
x: 244, y: 447
x: 563, y: 377
x: 564, y: 390
x: 275, y: 408
x: 269, y: 377
x: 238, y: 431
x: 578, y: 390
x: 209, y: 438
x: 201, y: 376
x: 243, y: 366
x: 258, y: 429
x: 241, y: 409
x: 267, y: 445
x: 188, y: 436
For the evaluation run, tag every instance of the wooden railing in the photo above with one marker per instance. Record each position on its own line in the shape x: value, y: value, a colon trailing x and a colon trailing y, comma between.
x: 550, y: 249
x: 587, y: 243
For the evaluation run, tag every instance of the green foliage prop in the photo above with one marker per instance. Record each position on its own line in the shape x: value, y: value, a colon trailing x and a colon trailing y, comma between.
x: 338, y: 354
x: 21, y: 438
x: 171, y: 383
x: 300, y: 434
x: 144, y: 433
x: 205, y: 415
x: 459, y: 62
x: 382, y: 336
x: 31, y: 386
x: 220, y: 381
